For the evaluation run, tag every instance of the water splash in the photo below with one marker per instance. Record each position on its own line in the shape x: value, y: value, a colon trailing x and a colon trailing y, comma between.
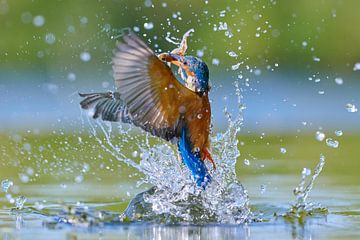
x: 20, y: 201
x: 6, y: 184
x: 301, y: 207
x: 175, y: 197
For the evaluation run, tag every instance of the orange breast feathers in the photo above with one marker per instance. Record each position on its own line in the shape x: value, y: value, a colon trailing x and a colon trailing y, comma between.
x: 198, y: 119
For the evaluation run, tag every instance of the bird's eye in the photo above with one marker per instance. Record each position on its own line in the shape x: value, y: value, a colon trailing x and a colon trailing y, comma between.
x: 185, y: 63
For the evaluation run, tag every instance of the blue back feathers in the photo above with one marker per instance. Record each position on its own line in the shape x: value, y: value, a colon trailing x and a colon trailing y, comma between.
x: 193, y: 161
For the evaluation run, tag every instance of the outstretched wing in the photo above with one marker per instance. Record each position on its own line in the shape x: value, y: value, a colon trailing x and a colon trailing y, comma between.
x: 152, y: 95
x: 107, y: 105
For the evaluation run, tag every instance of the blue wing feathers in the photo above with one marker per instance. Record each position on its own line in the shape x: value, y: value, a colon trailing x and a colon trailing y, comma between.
x: 193, y: 161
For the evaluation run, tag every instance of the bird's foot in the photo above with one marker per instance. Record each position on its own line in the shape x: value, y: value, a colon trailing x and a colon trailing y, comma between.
x: 207, y: 156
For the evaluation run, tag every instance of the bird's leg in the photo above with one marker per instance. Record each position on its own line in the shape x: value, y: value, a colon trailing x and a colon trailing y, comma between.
x: 207, y: 156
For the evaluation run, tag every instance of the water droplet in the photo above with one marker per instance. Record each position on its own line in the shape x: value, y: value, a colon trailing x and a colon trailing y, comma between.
x: 86, y: 168
x: 338, y: 133
x: 84, y: 20
x: 20, y: 201
x: 232, y: 54
x: 199, y: 53
x: 247, y: 162
x: 24, y: 178
x: 38, y: 21
x: 148, y: 25
x: 257, y: 72
x: 6, y: 184
x: 339, y: 81
x: 71, y: 76
x: 148, y: 3
x: 351, y: 108
x: 320, y: 136
x: 235, y: 66
x: 27, y: 147
x: 105, y: 84
x: 283, y: 150
x: 26, y: 17
x: 262, y: 188
x: 29, y: 171
x: 135, y: 154
x: 306, y: 172
x: 332, y: 143
x: 316, y: 59
x: 215, y: 61
x: 52, y: 88
x: 356, y: 66
x: 321, y: 92
x: 79, y: 178
x: 222, y: 13
x: 50, y: 38
x: 85, y: 56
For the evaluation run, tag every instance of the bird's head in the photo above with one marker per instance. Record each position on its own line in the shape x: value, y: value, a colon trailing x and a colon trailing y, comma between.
x: 193, y: 71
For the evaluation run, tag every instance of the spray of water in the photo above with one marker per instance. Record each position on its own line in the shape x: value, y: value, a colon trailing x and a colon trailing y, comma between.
x: 302, y: 207
x: 175, y: 197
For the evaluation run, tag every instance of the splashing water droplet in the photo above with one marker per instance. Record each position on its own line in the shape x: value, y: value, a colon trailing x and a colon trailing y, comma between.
x: 332, y: 143
x: 306, y: 172
x: 38, y: 21
x: 71, y: 76
x: 339, y: 81
x: 356, y: 66
x: 320, y: 136
x: 247, y: 162
x: 283, y: 150
x: 85, y: 56
x: 351, y: 108
x: 301, y: 192
x: 148, y: 3
x: 148, y: 25
x: 262, y: 188
x: 232, y: 54
x: 24, y: 178
x: 215, y: 61
x: 338, y: 133
x: 6, y: 184
x: 20, y: 201
x: 79, y: 179
x: 235, y: 66
x: 135, y: 154
x: 257, y: 72
x: 316, y: 59
x: 50, y: 38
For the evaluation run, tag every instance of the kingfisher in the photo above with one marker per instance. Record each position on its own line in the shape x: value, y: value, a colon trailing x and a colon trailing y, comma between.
x: 148, y: 95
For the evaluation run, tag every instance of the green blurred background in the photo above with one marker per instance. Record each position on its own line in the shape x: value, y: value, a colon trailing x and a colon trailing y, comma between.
x: 328, y: 28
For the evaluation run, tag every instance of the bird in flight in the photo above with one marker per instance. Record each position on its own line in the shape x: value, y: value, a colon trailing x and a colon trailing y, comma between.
x: 149, y: 96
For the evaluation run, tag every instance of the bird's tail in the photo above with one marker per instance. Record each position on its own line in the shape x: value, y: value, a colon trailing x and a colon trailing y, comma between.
x: 193, y: 161
x: 107, y: 105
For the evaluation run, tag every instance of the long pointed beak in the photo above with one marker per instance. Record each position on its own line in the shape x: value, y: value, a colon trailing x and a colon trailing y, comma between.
x: 171, y: 58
